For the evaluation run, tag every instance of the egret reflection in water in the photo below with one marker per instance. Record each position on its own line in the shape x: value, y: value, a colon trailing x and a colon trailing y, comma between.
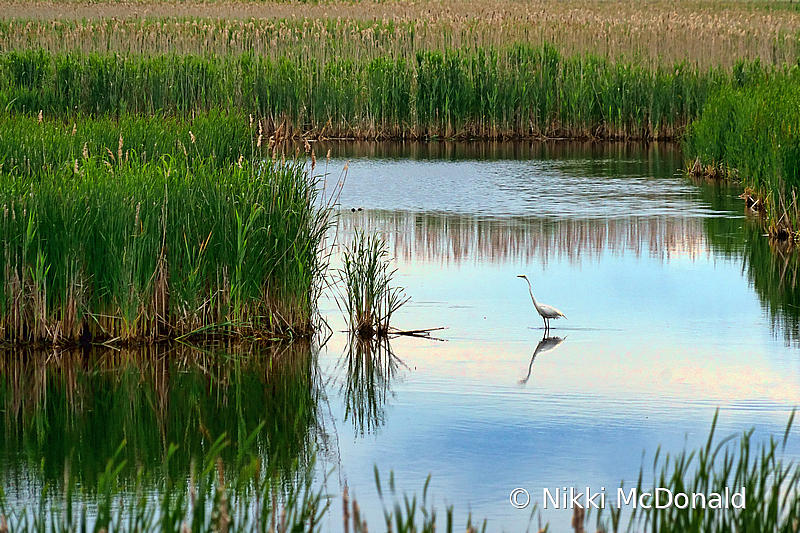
x: 545, y: 345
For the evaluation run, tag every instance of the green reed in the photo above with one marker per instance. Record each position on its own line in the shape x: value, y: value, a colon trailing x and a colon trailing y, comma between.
x: 30, y: 144
x: 752, y: 129
x: 129, y: 248
x: 514, y: 90
x: 369, y: 298
x: 211, y: 498
x: 770, y: 484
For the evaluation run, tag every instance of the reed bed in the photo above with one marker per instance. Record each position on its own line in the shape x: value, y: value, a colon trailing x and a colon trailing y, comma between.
x: 750, y: 129
x: 514, y: 91
x: 131, y: 249
x: 32, y: 143
x: 656, y: 33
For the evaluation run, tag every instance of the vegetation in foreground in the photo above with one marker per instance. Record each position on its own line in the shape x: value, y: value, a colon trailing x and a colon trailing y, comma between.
x: 209, y: 498
x: 178, y: 240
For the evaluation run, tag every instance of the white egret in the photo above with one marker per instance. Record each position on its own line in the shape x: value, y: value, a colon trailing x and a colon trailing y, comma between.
x: 545, y: 311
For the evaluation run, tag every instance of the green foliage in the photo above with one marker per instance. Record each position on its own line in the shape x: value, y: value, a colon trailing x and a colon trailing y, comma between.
x: 369, y: 299
x: 120, y: 244
x: 29, y: 146
x: 499, y: 91
x: 753, y: 126
x: 770, y: 485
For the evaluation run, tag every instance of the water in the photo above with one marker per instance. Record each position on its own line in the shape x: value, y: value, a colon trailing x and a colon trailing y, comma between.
x: 677, y: 308
x: 666, y: 285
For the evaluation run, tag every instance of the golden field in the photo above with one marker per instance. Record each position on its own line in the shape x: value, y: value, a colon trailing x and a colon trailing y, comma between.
x: 703, y: 33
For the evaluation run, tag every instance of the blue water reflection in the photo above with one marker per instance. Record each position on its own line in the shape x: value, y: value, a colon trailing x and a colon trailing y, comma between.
x: 669, y: 320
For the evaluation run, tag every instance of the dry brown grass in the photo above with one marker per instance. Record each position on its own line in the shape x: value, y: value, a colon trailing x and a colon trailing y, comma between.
x: 659, y: 31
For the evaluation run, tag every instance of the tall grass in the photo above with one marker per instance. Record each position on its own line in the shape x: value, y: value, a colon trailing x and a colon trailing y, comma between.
x: 770, y: 484
x: 752, y: 129
x: 137, y: 249
x: 369, y: 299
x: 495, y: 92
x: 656, y: 33
x: 30, y: 145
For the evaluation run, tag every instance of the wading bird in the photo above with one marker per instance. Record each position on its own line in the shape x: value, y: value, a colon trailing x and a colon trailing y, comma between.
x: 545, y: 311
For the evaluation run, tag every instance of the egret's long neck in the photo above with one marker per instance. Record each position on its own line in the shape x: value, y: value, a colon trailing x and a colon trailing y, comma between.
x: 530, y: 290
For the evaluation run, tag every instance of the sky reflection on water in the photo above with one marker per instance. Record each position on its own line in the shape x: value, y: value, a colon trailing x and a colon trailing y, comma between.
x: 663, y: 327
x: 676, y: 306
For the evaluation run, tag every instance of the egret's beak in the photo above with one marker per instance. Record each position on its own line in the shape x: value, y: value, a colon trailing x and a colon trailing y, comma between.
x: 520, y: 276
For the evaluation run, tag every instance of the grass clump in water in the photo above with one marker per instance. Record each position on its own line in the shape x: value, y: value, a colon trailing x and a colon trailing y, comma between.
x: 369, y: 299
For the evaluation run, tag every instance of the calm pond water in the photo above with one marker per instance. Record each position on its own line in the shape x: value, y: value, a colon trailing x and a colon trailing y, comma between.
x: 676, y: 308
x: 676, y: 305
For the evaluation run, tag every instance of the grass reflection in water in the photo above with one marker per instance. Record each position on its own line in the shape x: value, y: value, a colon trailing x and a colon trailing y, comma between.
x: 71, y: 410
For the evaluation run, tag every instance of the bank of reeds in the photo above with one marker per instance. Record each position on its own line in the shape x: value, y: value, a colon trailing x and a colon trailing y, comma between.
x: 751, y: 129
x: 655, y: 33
x: 32, y: 143
x: 496, y: 92
x: 124, y: 249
